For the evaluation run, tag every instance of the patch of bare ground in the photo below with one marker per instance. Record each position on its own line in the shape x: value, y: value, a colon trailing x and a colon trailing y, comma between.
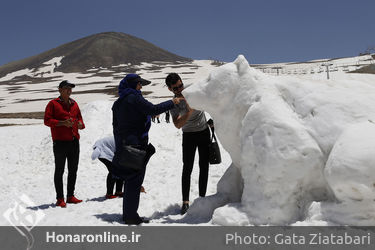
x: 32, y: 100
x: 370, y: 69
x: 13, y: 124
x: 8, y: 125
x: 109, y: 91
x: 34, y: 91
x: 182, y: 66
x: 153, y: 68
x: 25, y: 79
x: 15, y: 89
x: 158, y: 78
x: 89, y: 83
x: 23, y: 115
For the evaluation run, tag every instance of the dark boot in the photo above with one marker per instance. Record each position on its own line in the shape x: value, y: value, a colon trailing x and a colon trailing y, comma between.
x: 136, y: 221
x: 184, y: 208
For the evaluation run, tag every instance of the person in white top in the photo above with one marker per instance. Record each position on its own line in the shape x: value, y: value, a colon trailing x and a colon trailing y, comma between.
x: 104, y: 150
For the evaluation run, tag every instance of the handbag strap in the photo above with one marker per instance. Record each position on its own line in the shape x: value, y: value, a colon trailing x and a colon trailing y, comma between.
x: 213, y: 134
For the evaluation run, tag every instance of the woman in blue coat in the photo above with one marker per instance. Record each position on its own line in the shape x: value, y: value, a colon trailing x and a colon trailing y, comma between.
x: 131, y: 123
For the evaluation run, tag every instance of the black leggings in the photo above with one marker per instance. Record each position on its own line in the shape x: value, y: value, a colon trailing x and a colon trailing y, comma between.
x: 110, y: 180
x: 65, y: 150
x: 190, y: 142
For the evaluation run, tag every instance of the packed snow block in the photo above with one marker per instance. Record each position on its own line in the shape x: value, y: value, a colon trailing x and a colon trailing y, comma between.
x: 350, y: 169
x: 229, y: 191
x: 279, y: 132
x: 230, y: 215
x: 284, y: 163
x: 231, y: 184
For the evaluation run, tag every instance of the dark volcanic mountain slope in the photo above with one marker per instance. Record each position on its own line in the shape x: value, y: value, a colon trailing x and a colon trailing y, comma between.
x: 99, y: 50
x: 370, y: 69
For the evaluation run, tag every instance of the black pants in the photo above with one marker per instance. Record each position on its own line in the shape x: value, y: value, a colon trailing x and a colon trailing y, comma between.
x: 131, y: 195
x: 132, y: 187
x: 133, y: 183
x: 65, y: 150
x: 110, y: 180
x: 190, y: 142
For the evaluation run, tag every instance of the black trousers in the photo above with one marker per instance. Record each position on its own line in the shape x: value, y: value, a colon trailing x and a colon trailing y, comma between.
x: 110, y: 180
x: 65, y: 150
x: 133, y: 183
x: 190, y: 142
x: 133, y: 179
x: 132, y: 195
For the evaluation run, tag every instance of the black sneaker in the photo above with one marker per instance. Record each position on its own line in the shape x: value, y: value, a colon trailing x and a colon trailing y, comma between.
x: 184, y: 208
x: 136, y: 221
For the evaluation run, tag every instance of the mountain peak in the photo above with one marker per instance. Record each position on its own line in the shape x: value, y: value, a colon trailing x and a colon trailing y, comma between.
x: 99, y: 50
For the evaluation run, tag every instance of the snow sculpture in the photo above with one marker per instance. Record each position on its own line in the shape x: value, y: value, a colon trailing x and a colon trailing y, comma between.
x: 280, y: 132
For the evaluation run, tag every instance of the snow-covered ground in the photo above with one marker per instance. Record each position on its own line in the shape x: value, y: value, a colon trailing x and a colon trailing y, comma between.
x: 14, y: 98
x: 33, y: 97
x: 318, y: 68
x: 302, y: 150
x: 27, y: 167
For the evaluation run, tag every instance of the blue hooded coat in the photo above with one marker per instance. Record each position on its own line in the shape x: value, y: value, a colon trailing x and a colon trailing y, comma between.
x: 132, y: 116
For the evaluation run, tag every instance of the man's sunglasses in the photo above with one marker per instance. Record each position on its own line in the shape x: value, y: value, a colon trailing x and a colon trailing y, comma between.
x: 178, y: 87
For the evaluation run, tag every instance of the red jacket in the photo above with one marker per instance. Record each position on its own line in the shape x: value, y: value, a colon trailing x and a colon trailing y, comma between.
x: 56, y: 111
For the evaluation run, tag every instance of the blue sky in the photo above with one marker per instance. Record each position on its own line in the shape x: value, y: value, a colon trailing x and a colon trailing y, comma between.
x: 264, y: 31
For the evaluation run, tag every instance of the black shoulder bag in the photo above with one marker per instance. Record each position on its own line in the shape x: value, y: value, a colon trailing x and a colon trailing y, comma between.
x: 214, y: 150
x: 134, y: 157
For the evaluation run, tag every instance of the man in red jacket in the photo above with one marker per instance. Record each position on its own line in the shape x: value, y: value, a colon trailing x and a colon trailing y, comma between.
x: 64, y: 118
